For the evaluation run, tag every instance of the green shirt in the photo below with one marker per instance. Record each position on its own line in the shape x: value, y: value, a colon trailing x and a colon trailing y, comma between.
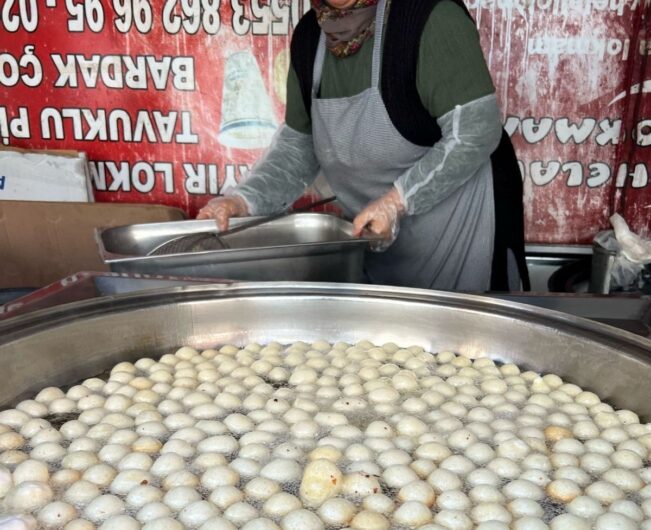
x: 451, y: 69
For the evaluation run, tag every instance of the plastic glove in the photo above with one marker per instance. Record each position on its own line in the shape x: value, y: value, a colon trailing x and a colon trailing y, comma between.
x: 381, y: 218
x: 222, y: 209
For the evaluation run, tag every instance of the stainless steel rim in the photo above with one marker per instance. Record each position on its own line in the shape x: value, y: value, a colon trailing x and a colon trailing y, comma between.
x: 48, y: 318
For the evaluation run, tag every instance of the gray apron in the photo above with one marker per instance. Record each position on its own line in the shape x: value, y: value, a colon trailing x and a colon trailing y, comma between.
x: 362, y: 154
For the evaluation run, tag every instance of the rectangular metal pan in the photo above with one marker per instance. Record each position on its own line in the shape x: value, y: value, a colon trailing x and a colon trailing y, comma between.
x: 300, y: 247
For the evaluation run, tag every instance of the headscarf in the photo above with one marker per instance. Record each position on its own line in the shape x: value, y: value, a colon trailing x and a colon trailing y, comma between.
x: 346, y: 29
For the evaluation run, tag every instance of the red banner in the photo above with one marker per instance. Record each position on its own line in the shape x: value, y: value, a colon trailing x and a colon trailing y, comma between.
x: 174, y: 100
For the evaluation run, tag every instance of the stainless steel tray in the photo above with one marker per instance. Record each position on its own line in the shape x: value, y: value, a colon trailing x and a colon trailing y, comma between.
x: 300, y: 247
x: 63, y: 345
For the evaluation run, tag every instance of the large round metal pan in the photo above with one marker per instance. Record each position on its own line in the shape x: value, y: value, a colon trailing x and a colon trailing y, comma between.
x: 64, y: 345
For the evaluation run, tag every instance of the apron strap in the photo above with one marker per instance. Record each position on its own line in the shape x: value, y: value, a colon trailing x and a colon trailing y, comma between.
x: 377, y: 43
x: 377, y: 52
x: 318, y: 65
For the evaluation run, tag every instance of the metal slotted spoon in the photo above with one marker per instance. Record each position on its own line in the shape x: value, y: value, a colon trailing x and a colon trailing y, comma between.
x: 207, y: 241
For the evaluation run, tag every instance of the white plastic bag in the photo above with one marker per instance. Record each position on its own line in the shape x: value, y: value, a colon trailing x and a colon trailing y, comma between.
x: 632, y: 253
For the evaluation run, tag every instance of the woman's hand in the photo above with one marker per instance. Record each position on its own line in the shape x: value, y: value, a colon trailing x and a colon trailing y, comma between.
x: 222, y: 209
x: 381, y: 217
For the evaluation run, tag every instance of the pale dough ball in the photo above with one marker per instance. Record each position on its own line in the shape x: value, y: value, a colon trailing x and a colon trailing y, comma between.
x: 81, y: 493
x: 412, y: 514
x: 417, y: 491
x: 29, y: 496
x: 398, y: 476
x: 261, y: 488
x: 62, y: 406
x: 574, y: 474
x: 17, y: 522
x: 104, y: 507
x: 136, y: 460
x: 6, y: 481
x: 222, y: 444
x: 163, y: 523
x: 31, y: 471
x: 217, y: 523
x: 245, y: 467
x: 563, y: 459
x: 180, y: 497
x: 422, y: 467
x: 33, y: 408
x: 63, y: 478
x: 433, y: 451
x: 483, y: 494
x: 569, y: 446
x: 240, y: 513
x: 457, y: 464
x: 626, y: 459
x: 120, y: 522
x: 453, y: 500
x: 525, y: 508
x: 219, y: 476
x: 337, y: 512
x: 29, y: 429
x: 10, y: 441
x: 166, y: 464
x: 180, y: 478
x: 56, y: 514
x: 47, y: 395
x: 261, y: 524
x: 563, y: 490
x: 504, y: 468
x: 282, y: 470
x: 393, y: 457
x: 48, y: 435
x: 442, y: 480
x: 100, y: 474
x: 225, y: 496
x: 605, y: 492
x: 530, y: 523
x: 366, y: 520
x: 129, y: 479
x: 536, y: 476
x: 629, y: 509
x: 568, y: 521
x: 599, y: 446
x: 623, y: 478
x: 614, y: 521
x: 585, y: 430
x: 492, y: 525
x: 12, y: 458
x: 453, y: 520
x: 197, y: 513
x: 379, y: 503
x: 595, y: 463
x: 142, y: 495
x: 322, y: 480
x: 585, y: 507
x: 280, y: 504
x: 480, y: 453
x: 523, y: 489
x: 554, y: 433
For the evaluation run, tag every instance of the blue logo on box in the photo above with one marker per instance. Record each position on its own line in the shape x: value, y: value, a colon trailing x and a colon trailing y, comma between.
x: 2, y: 182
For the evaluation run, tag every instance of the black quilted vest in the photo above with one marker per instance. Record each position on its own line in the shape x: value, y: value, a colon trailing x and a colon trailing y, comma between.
x: 405, y: 25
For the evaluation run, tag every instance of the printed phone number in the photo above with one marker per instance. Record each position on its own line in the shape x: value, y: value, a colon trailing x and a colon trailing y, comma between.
x: 254, y: 17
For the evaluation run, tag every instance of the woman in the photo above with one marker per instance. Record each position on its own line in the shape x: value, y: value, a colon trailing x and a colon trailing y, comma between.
x: 393, y: 102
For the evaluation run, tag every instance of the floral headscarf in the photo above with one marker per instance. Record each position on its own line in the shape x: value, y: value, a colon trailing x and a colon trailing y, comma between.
x: 346, y: 29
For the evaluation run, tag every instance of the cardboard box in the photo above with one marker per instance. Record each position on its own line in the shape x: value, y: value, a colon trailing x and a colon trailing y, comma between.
x: 27, y: 175
x: 42, y: 242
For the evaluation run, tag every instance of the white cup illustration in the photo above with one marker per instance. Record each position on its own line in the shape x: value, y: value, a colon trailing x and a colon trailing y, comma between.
x: 247, y: 114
